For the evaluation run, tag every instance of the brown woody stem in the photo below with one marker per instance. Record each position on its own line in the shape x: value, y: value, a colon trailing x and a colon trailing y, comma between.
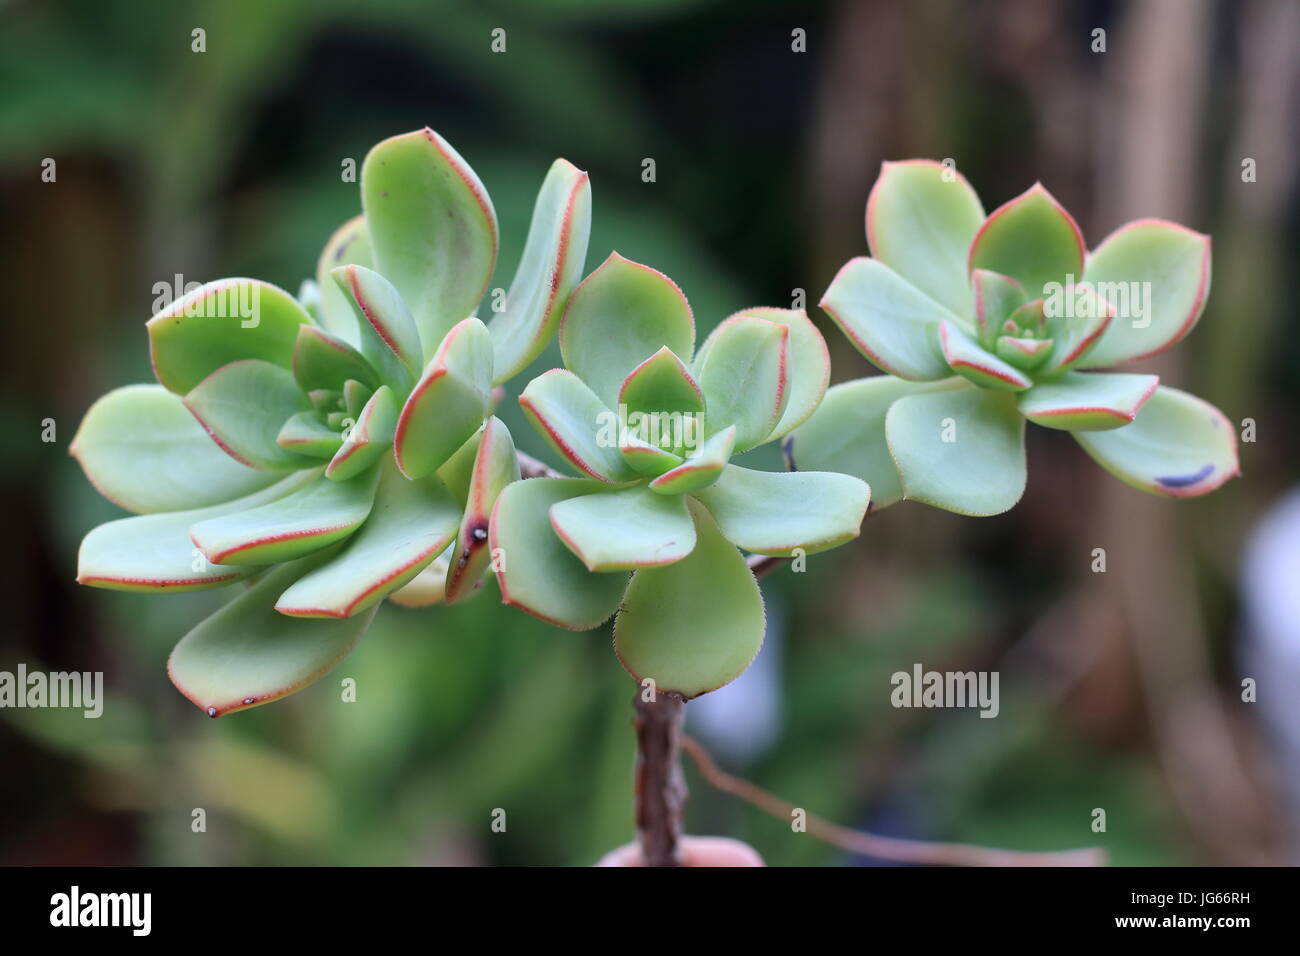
x: 660, y: 788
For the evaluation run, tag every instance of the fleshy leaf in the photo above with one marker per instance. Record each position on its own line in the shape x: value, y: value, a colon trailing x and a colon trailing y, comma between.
x: 892, y: 323
x: 350, y: 245
x: 1179, y: 447
x: 661, y: 383
x: 1076, y: 325
x: 645, y: 458
x: 549, y: 269
x: 1087, y: 402
x: 305, y: 434
x: 243, y: 406
x: 618, y: 317
x: 625, y: 528
x: 963, y: 451
x: 781, y: 512
x: 534, y: 568
x: 1175, y: 261
x: 154, y: 552
x: 808, y: 358
x: 322, y: 360
x: 996, y: 297
x: 247, y: 653
x: 449, y: 402
x: 312, y: 518
x: 1032, y: 239
x: 410, y: 525
x: 355, y: 397
x: 143, y: 450
x: 576, y: 424
x: 1021, y: 352
x: 368, y: 439
x: 220, y: 323
x: 968, y: 360
x: 427, y: 588
x: 432, y: 229
x: 745, y: 375
x: 694, y: 625
x: 386, y: 329
x: 702, y: 469
x: 847, y: 433
x: 495, y: 466
x: 921, y: 217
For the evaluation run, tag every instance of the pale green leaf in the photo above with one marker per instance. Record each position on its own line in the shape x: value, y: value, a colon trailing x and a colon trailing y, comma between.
x: 548, y: 271
x: 694, y: 625
x: 433, y: 230
x: 921, y: 217
x: 244, y: 405
x: 143, y: 450
x: 745, y: 375
x: 576, y: 424
x: 1032, y: 239
x: 625, y: 528
x: 534, y: 569
x: 1087, y: 401
x: 1178, y: 447
x: 961, y: 450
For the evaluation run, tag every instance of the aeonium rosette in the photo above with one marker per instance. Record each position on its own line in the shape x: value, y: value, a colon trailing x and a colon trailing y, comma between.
x: 651, y: 528
x: 334, y: 449
x: 984, y: 323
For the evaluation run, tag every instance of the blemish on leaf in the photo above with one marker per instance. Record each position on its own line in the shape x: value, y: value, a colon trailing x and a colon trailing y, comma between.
x: 212, y: 712
x: 1183, y: 481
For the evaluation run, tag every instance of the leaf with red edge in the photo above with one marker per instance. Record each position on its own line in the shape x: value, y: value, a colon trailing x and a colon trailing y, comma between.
x: 349, y: 245
x: 624, y: 528
x: 745, y: 375
x: 306, y: 434
x: 700, y: 470
x: 921, y: 217
x: 386, y: 329
x: 449, y: 402
x: 970, y: 361
x: 1076, y: 327
x: 410, y: 525
x: 618, y: 317
x: 535, y: 570
x: 320, y: 514
x: 1087, y: 402
x: 574, y: 422
x: 809, y: 361
x: 220, y: 323
x: 432, y: 229
x: 694, y: 625
x: 143, y: 450
x: 247, y: 653
x: 549, y: 269
x: 1160, y: 265
x: 495, y: 466
x: 369, y: 439
x: 155, y: 553
x: 996, y: 297
x: 780, y: 513
x: 1032, y: 239
x: 243, y: 406
x: 662, y: 383
x: 1178, y: 447
x: 322, y: 360
x: 890, y: 321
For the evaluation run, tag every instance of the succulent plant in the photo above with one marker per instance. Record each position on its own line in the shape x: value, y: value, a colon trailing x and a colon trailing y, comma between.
x: 984, y: 322
x: 337, y: 448
x: 650, y: 431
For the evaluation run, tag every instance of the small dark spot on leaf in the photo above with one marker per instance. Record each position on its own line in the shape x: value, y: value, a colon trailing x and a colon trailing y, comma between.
x: 212, y: 711
x: 787, y: 450
x: 249, y: 700
x: 1182, y: 481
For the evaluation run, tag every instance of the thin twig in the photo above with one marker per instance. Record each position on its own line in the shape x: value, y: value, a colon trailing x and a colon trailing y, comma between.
x: 660, y: 788
x: 530, y: 467
x: 881, y: 847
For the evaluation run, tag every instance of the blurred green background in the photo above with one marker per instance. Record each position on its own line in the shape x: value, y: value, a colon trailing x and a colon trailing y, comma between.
x: 1119, y: 690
